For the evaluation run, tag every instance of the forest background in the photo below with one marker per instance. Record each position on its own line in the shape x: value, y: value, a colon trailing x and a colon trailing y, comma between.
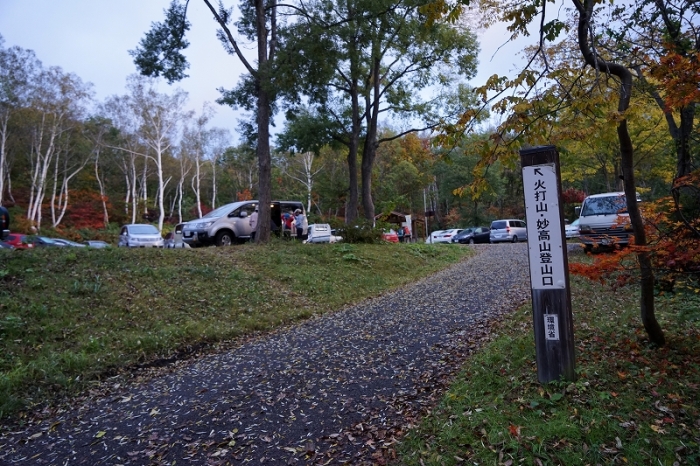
x: 83, y: 167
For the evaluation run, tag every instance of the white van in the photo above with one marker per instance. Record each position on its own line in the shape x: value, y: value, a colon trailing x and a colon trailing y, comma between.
x: 230, y: 223
x: 604, y: 220
x: 511, y: 230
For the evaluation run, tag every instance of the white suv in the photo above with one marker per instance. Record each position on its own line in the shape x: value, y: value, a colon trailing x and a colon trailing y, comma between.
x: 509, y: 230
x: 140, y: 235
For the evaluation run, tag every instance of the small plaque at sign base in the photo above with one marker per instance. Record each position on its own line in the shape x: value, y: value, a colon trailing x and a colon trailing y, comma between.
x: 551, y: 327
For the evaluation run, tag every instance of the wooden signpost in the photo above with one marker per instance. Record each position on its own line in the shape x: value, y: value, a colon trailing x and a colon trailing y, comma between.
x: 549, y: 265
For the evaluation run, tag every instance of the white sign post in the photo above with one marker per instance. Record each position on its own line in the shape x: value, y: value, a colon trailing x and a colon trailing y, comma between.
x: 549, y: 276
x: 544, y: 227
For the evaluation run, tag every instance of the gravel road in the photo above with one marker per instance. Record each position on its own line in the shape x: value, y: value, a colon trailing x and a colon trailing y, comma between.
x: 339, y: 389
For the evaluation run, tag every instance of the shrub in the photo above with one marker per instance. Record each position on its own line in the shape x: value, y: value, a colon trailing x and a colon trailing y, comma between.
x: 361, y: 231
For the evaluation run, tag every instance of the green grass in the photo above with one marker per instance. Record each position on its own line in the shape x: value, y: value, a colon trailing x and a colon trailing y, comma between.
x: 631, y: 404
x: 70, y: 317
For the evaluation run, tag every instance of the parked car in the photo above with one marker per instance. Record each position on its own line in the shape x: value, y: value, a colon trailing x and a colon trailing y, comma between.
x: 390, y: 236
x: 447, y: 235
x: 67, y: 242
x: 229, y: 223
x: 140, y: 235
x: 19, y: 241
x: 321, y: 233
x: 4, y: 245
x: 604, y: 221
x: 45, y: 242
x: 510, y: 230
x: 433, y: 236
x: 572, y: 230
x: 94, y: 243
x: 461, y: 234
x: 476, y: 235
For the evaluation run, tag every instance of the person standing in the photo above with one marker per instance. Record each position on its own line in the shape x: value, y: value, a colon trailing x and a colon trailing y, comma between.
x: 288, y: 222
x: 299, y: 223
x: 406, y: 234
x: 253, y: 222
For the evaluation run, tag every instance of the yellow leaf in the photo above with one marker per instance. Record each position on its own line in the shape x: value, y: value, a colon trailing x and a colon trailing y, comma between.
x: 657, y: 429
x: 100, y: 434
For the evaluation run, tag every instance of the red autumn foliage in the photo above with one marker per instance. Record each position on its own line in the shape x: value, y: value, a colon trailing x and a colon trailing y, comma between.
x: 85, y: 210
x: 245, y: 195
x: 205, y: 210
x: 573, y: 196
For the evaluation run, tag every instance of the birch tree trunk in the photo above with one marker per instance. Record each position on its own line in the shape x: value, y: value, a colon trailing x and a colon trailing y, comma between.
x: 59, y: 100
x: 160, y: 116
x: 66, y: 169
x: 101, y: 185
x: 302, y: 171
x: 4, y: 119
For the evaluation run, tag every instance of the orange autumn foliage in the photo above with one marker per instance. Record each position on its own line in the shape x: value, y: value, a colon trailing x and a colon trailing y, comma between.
x: 680, y: 76
x: 86, y: 210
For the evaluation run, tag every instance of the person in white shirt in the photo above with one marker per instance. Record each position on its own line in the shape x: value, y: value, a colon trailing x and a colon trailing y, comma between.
x: 299, y: 223
x: 253, y: 222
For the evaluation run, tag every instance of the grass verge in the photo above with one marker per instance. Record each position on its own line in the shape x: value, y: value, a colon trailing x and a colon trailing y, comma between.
x: 631, y: 404
x: 71, y: 316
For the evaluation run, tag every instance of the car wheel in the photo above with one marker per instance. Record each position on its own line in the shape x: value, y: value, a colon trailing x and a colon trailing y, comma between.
x: 471, y: 240
x: 224, y: 238
x: 515, y: 239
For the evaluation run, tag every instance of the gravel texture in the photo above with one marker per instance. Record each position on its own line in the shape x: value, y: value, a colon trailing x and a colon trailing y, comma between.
x: 338, y: 389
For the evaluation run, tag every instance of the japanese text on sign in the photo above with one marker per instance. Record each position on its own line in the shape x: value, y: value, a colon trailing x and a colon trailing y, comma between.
x: 543, y: 227
x: 551, y: 327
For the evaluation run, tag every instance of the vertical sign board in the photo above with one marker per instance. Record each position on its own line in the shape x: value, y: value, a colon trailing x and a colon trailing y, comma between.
x: 547, y: 253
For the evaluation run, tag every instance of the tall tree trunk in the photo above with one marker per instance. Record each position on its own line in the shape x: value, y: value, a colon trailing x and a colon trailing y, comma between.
x: 263, y: 142
x: 370, y: 148
x: 353, y: 201
x: 144, y: 186
x: 4, y: 119
x: 161, y: 186
x: 103, y: 195
x: 134, y: 192
x: 52, y: 202
x: 684, y: 165
x: 213, y: 183
x: 198, y: 184
x: 648, y: 316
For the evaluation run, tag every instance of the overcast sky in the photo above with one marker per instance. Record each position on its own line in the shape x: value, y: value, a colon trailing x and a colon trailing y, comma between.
x: 91, y: 38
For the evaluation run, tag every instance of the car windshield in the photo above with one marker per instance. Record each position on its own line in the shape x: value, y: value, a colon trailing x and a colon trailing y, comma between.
x: 498, y: 225
x: 219, y: 212
x: 604, y: 206
x: 143, y: 230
